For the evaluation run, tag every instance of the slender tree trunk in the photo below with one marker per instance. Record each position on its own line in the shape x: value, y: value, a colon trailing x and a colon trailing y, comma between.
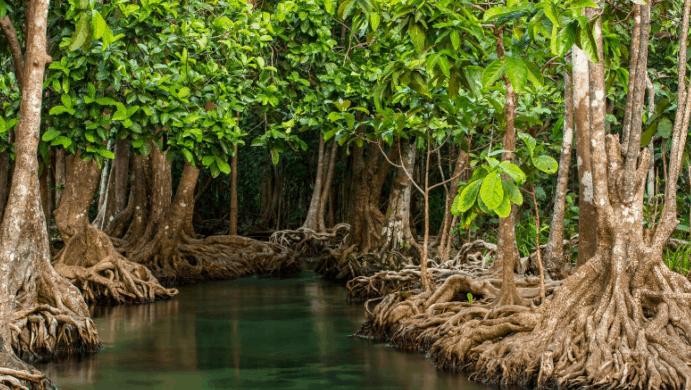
x: 508, y: 252
x: 554, y: 253
x: 312, y: 221
x: 326, y: 187
x: 115, y: 195
x: 233, y: 227
x: 587, y: 226
x: 4, y: 180
x: 447, y: 224
x: 59, y: 165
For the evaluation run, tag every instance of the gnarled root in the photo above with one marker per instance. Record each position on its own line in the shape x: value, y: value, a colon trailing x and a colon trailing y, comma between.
x: 215, y: 257
x: 17, y: 375
x: 52, y: 320
x: 311, y: 243
x: 103, y: 275
x: 415, y: 321
x: 599, y: 330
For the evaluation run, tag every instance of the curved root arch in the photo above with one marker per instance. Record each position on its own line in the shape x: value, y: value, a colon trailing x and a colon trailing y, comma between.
x: 52, y: 321
x: 90, y: 261
x: 585, y: 336
x: 309, y: 242
x: 189, y: 259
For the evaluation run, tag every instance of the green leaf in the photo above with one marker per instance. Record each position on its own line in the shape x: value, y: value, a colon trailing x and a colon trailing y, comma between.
x: 492, y: 72
x: 466, y: 199
x: 513, y: 171
x: 81, y: 32
x: 546, y: 164
x: 50, y: 135
x: 374, y: 20
x: 455, y: 39
x: 516, y: 72
x: 529, y: 142
x: 504, y: 208
x: 417, y: 36
x: 586, y: 41
x: 567, y: 38
x: 513, y: 192
x: 491, y: 191
x: 98, y: 25
x: 188, y: 155
x: 105, y: 153
x: 223, y: 166
x: 330, y: 6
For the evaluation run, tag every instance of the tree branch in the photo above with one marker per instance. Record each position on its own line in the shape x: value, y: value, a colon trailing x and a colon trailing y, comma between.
x: 17, y: 57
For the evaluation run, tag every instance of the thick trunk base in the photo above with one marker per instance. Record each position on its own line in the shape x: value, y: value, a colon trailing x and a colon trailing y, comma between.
x: 608, y: 337
x: 17, y: 375
x: 103, y: 275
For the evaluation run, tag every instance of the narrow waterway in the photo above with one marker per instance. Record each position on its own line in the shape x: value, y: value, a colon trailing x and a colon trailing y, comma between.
x: 251, y: 333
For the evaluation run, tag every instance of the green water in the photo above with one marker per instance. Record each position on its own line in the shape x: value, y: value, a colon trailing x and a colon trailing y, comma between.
x: 246, y: 334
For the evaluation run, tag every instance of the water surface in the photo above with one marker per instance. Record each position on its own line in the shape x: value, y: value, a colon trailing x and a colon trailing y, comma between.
x: 251, y: 333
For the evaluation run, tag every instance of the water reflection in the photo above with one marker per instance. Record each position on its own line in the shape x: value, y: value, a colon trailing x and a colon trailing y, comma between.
x: 245, y: 334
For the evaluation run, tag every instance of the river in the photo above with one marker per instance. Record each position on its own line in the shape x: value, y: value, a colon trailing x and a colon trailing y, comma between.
x: 252, y: 333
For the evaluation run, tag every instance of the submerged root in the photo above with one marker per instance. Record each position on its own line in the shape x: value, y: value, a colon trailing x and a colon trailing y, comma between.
x: 103, y: 275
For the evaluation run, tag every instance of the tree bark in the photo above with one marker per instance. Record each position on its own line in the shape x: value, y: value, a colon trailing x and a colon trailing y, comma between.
x: 587, y: 226
x: 233, y: 223
x: 507, y: 250
x: 396, y: 235
x: 368, y: 175
x: 445, y: 237
x: 175, y: 255
x: 4, y: 180
x: 313, y: 220
x: 326, y: 187
x: 554, y: 253
x: 41, y: 313
x: 116, y: 193
x: 89, y: 259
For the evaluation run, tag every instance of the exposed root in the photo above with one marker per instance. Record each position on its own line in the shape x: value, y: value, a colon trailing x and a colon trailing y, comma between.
x: 585, y: 336
x: 215, y: 257
x: 51, y: 320
x: 17, y: 375
x: 103, y: 275
x: 308, y: 242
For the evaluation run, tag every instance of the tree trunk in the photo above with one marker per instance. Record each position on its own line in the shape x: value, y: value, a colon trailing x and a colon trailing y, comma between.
x: 326, y: 186
x: 507, y: 250
x: 233, y: 227
x: 445, y: 237
x: 554, y: 253
x: 623, y: 317
x: 41, y: 313
x: 368, y: 176
x: 396, y: 236
x: 4, y: 180
x: 176, y: 256
x: 116, y: 190
x: 314, y: 221
x: 59, y: 165
x: 587, y: 226
x: 89, y: 258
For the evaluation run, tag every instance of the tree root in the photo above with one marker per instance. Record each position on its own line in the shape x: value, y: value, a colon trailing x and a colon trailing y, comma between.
x: 103, y: 275
x: 586, y: 337
x: 189, y: 259
x: 17, y: 375
x: 309, y: 242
